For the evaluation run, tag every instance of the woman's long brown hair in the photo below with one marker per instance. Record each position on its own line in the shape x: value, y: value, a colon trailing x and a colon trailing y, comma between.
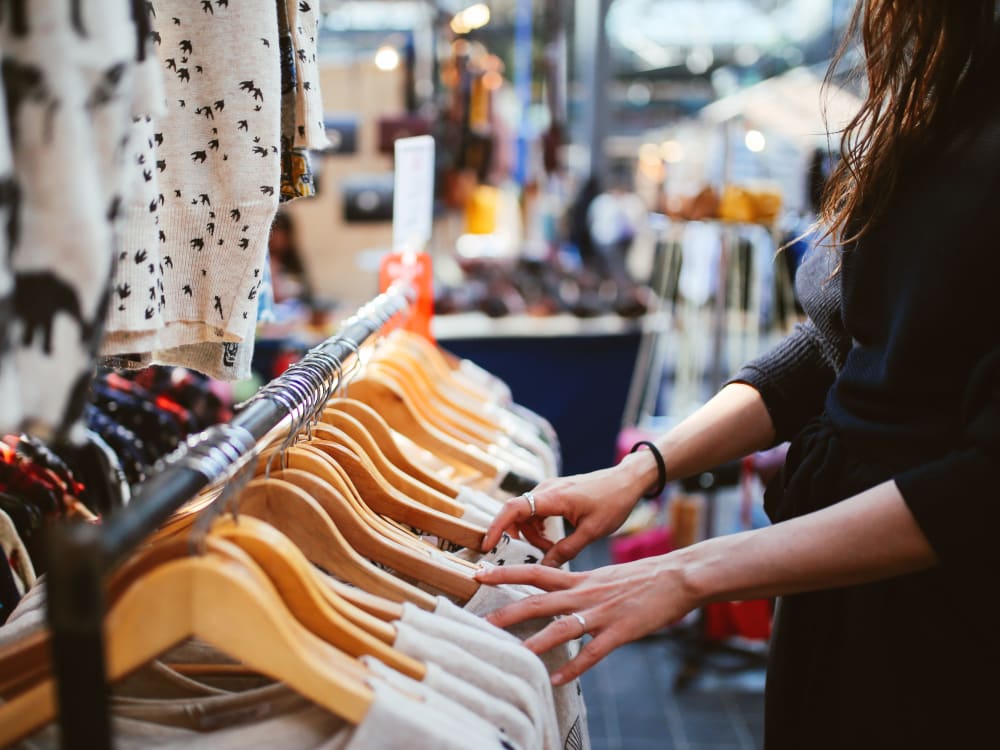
x: 923, y: 58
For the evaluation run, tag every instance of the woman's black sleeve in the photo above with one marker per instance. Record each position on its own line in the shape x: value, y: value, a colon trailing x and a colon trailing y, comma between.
x: 955, y: 499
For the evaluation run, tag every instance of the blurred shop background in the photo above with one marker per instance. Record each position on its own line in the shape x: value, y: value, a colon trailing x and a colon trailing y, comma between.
x: 614, y: 180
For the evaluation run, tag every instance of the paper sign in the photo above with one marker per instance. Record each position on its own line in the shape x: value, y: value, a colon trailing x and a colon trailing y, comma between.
x: 413, y: 194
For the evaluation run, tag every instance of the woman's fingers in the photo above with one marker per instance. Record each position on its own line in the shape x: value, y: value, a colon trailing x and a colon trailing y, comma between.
x: 566, y: 548
x: 540, y: 605
x: 591, y: 653
x: 547, y: 579
x: 517, y: 512
x: 533, y: 531
x: 569, y: 628
x: 511, y: 515
x: 557, y: 632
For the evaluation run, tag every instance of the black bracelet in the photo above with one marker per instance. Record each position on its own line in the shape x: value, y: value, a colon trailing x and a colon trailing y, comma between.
x: 661, y: 468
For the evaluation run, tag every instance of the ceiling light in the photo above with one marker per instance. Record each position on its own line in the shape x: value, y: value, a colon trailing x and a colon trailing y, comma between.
x: 755, y: 141
x: 387, y: 58
x: 472, y: 18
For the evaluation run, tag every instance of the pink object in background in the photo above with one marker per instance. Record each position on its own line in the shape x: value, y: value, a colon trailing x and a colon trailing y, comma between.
x: 628, y: 437
x: 649, y: 543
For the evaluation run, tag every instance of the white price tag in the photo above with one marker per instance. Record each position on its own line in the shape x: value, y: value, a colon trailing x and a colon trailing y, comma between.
x: 413, y: 194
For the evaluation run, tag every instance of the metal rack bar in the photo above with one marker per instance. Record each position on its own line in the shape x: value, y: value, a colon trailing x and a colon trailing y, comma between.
x: 79, y: 555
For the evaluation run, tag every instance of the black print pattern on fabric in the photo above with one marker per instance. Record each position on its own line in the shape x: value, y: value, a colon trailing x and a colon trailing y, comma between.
x: 10, y: 203
x: 229, y: 354
x: 38, y: 299
x: 214, y: 152
x: 574, y: 739
x: 67, y: 118
x: 6, y: 318
x: 19, y: 16
x: 24, y: 83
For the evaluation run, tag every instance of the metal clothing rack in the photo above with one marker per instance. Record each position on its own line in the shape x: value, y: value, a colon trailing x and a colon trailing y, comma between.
x: 698, y: 649
x: 80, y: 555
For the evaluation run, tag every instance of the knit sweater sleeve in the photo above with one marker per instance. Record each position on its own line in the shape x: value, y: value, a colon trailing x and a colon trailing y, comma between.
x: 792, y: 379
x: 954, y: 499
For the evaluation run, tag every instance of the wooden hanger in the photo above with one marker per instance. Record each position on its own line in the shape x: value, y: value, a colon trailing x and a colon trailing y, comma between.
x: 437, y: 412
x: 374, y: 605
x: 404, y: 521
x: 373, y: 624
x: 230, y: 604
x: 24, y: 661
x: 371, y: 486
x: 386, y: 398
x: 437, y: 391
x: 380, y: 432
x: 278, y: 558
x: 391, y: 530
x: 343, y: 428
x: 427, y: 406
x: 451, y: 419
x: 294, y: 578
x: 314, y: 461
x: 467, y: 419
x: 383, y: 498
x: 28, y: 660
x: 313, y: 530
x: 445, y: 366
x: 480, y: 385
x: 415, y: 564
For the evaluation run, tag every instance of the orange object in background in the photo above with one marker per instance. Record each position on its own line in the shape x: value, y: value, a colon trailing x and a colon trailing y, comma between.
x: 749, y: 206
x: 415, y: 269
x: 737, y: 204
x: 481, y: 210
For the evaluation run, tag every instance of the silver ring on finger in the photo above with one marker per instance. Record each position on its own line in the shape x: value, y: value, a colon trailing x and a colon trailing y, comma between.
x: 531, y: 502
x: 580, y: 619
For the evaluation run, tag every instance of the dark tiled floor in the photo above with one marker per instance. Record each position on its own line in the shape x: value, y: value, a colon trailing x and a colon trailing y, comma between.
x: 633, y: 705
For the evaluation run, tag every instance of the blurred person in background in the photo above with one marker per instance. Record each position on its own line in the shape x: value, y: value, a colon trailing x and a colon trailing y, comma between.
x: 288, y: 273
x: 885, y: 513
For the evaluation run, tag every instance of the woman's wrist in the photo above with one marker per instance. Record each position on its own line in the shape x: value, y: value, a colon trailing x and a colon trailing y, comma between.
x: 641, y: 473
x: 705, y: 570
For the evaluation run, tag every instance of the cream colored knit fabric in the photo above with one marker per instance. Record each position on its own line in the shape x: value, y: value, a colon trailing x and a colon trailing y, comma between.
x: 214, y: 161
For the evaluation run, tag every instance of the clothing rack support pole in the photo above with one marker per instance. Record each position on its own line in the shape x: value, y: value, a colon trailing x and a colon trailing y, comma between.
x: 75, y: 602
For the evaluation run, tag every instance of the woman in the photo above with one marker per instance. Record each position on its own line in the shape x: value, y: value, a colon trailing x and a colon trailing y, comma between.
x: 884, y: 513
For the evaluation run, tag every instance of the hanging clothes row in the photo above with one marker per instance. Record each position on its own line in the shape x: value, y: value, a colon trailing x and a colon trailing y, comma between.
x: 140, y: 169
x: 337, y: 607
x: 729, y: 295
x: 133, y: 421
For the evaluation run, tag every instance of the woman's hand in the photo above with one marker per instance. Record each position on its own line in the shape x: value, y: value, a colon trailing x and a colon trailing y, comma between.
x: 618, y: 603
x: 597, y: 504
x: 868, y: 537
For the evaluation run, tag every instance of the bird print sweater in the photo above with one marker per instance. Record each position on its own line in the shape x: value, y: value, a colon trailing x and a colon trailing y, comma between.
x: 191, y: 264
x: 201, y: 314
